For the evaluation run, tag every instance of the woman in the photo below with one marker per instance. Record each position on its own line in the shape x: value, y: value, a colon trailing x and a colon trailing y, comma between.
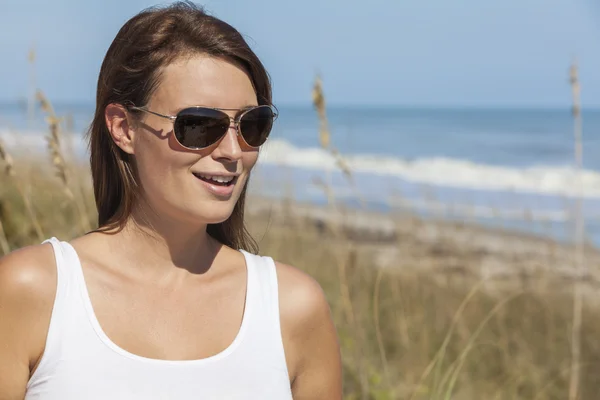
x: 166, y: 300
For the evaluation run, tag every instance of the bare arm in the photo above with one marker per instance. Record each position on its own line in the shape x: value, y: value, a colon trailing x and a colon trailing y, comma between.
x: 27, y: 290
x: 310, y: 338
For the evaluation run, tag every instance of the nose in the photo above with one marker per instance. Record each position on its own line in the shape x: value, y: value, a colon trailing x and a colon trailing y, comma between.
x: 229, y: 147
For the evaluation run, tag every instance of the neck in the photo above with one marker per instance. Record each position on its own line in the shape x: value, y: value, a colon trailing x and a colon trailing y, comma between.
x: 161, y: 243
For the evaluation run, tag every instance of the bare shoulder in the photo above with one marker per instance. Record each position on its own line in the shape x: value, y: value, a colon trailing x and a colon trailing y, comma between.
x: 309, y: 336
x: 27, y: 291
x: 27, y: 285
x: 301, y: 297
x: 28, y: 274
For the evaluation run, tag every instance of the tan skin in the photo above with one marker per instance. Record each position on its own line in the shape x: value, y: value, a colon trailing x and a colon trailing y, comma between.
x: 170, y: 292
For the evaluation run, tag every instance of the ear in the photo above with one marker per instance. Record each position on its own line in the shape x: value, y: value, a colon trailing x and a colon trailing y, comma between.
x: 120, y: 126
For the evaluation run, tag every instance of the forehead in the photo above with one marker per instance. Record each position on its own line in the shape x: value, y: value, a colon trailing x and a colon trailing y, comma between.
x: 206, y: 81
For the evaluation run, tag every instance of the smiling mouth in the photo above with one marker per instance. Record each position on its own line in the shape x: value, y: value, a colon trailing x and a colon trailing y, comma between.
x: 217, y: 180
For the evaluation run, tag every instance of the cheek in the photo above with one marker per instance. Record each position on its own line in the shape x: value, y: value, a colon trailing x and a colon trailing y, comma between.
x: 158, y: 165
x: 249, y: 159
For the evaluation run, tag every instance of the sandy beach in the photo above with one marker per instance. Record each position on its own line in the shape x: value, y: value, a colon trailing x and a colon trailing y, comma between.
x: 406, y: 242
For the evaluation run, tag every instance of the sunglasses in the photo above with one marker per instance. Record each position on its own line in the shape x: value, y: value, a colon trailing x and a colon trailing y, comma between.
x: 197, y: 128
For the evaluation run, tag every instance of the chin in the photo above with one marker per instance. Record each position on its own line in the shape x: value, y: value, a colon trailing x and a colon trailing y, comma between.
x: 213, y: 213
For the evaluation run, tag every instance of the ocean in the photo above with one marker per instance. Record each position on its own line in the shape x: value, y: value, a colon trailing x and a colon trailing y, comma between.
x: 513, y: 168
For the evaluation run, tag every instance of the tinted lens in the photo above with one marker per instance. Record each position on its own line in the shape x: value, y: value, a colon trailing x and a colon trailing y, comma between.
x: 197, y: 128
x: 256, y: 125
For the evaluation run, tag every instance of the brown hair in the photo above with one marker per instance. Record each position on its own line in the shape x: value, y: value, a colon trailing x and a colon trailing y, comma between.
x: 130, y: 73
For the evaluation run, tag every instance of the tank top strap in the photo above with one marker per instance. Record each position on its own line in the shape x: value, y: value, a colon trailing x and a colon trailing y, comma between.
x: 59, y: 256
x: 266, y: 302
x: 60, y: 310
x: 262, y: 275
x: 67, y: 269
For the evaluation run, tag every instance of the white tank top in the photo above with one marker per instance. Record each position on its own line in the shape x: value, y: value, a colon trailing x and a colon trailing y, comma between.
x: 81, y: 362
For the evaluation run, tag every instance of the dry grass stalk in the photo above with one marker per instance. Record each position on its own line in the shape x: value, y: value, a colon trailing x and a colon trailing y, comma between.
x: 348, y: 257
x: 319, y: 103
x: 58, y: 160
x: 575, y: 377
x: 325, y: 142
x: 9, y: 169
x: 378, y: 334
x: 324, y: 133
x: 53, y: 140
x: 346, y: 298
x: 32, y: 84
x: 9, y: 165
x: 3, y: 239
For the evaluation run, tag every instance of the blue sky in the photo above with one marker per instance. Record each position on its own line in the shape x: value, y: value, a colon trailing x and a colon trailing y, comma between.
x: 379, y: 52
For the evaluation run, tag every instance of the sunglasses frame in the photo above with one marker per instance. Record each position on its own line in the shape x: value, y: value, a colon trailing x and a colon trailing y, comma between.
x: 236, y: 120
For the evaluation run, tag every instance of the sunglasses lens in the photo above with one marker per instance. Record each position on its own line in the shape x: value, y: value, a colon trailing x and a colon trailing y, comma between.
x: 198, y: 128
x: 256, y: 125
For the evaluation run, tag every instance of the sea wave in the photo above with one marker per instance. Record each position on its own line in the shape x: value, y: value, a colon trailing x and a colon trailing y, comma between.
x: 439, y: 171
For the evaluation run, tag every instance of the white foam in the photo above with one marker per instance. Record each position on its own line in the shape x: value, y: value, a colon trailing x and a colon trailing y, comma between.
x: 554, y: 180
x: 26, y: 142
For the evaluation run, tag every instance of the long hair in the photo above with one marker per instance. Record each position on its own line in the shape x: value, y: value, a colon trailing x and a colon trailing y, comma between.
x: 130, y: 73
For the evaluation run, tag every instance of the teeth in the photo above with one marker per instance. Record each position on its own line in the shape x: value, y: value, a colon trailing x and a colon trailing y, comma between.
x: 220, y: 179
